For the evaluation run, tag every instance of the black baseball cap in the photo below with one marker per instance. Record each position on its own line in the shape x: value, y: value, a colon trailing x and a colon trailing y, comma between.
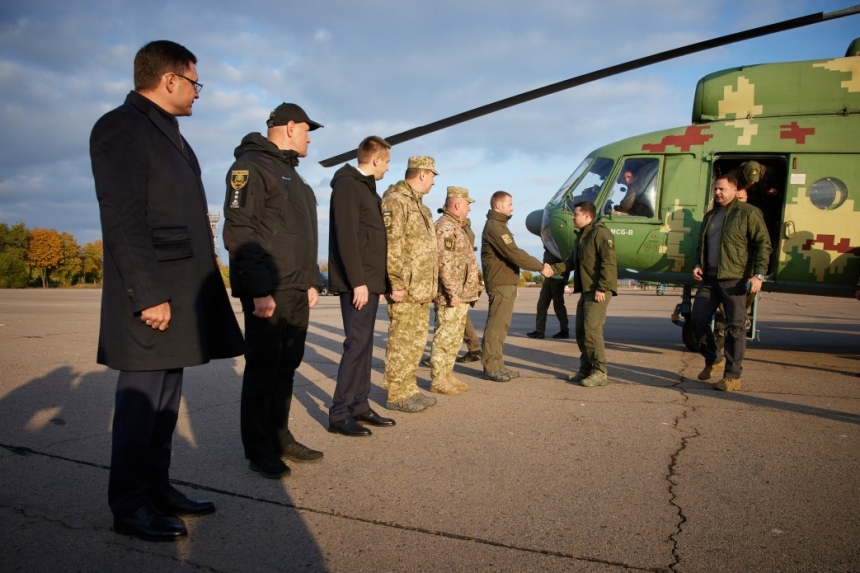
x: 287, y: 112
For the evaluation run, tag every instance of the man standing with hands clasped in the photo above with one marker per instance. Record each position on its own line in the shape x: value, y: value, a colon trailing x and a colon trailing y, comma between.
x: 271, y: 233
x: 731, y: 259
x: 595, y: 277
x: 357, y: 259
x: 164, y: 306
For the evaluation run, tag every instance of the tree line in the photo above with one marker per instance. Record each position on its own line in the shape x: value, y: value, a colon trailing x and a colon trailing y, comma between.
x: 46, y: 257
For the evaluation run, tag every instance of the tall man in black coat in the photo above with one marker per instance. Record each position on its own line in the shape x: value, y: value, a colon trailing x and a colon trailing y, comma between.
x: 357, y: 263
x: 271, y: 233
x: 164, y: 306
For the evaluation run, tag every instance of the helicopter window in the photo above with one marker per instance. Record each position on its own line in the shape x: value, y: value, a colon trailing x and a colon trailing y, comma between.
x: 634, y: 192
x: 828, y: 193
x: 589, y: 184
x: 560, y: 194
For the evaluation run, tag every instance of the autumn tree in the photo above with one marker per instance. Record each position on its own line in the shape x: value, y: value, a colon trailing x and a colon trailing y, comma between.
x: 45, y: 252
x: 14, y: 240
x: 92, y: 259
x: 71, y: 266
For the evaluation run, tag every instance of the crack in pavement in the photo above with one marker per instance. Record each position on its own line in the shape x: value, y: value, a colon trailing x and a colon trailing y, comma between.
x: 25, y: 451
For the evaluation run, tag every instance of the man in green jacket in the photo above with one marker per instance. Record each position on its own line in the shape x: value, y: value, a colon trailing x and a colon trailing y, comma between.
x: 595, y: 277
x: 501, y: 259
x: 732, y: 257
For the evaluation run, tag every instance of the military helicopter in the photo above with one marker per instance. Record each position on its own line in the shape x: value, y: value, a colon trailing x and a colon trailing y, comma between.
x: 789, y: 131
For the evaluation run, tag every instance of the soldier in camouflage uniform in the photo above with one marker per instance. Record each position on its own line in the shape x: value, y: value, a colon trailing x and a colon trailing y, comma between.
x: 413, y: 273
x: 458, y: 286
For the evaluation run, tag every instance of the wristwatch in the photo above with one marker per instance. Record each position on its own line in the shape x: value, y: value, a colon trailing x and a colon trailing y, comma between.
x: 759, y: 277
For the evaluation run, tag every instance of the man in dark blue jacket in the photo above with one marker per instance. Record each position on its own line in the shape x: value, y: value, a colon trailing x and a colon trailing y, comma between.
x: 357, y: 259
x: 271, y: 232
x: 164, y: 306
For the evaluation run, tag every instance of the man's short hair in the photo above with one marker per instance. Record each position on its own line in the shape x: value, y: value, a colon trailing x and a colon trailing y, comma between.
x: 498, y: 197
x: 587, y: 207
x: 371, y: 146
x: 412, y: 172
x: 158, y: 58
x: 728, y: 177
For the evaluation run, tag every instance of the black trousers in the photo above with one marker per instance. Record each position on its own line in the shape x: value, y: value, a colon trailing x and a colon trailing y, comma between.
x: 146, y: 409
x: 732, y: 294
x: 551, y: 290
x: 275, y: 348
x: 353, y: 374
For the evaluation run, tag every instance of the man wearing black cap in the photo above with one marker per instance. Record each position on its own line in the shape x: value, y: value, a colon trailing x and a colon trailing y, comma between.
x: 271, y: 233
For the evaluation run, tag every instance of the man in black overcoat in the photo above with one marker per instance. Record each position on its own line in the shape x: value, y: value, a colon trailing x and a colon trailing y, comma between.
x: 164, y: 305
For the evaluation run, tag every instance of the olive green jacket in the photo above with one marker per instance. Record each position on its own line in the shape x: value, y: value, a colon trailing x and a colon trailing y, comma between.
x: 592, y: 260
x: 501, y: 258
x: 744, y: 242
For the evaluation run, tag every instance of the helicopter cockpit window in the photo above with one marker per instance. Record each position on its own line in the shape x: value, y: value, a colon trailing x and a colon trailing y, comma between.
x: 634, y: 192
x: 589, y: 183
x: 562, y: 191
x: 828, y: 193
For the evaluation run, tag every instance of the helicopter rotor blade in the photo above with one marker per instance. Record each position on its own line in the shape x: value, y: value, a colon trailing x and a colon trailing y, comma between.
x: 601, y: 74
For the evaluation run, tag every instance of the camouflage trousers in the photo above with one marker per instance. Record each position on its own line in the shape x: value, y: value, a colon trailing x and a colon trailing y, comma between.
x: 407, y: 336
x: 450, y: 322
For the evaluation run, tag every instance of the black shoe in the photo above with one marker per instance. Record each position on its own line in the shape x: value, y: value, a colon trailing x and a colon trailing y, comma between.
x: 562, y: 334
x: 473, y: 356
x: 535, y: 334
x: 270, y: 467
x: 300, y: 453
x: 175, y: 503
x: 374, y: 419
x: 148, y: 524
x: 425, y: 362
x: 349, y: 427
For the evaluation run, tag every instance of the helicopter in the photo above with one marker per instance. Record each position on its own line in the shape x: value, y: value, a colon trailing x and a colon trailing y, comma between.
x: 790, y: 130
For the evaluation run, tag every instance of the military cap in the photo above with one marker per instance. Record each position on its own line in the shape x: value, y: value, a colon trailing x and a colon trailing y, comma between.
x: 287, y: 112
x: 460, y: 193
x: 422, y: 162
x: 753, y: 170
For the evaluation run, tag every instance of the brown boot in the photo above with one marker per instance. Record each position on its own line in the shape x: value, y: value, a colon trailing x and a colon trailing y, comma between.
x: 442, y: 385
x: 728, y: 384
x: 456, y: 382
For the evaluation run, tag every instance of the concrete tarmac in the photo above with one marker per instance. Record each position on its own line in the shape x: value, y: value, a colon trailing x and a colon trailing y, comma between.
x: 654, y: 472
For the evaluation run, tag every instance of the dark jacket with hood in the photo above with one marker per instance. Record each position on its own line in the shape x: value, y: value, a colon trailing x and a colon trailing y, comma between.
x: 357, y: 241
x: 270, y: 224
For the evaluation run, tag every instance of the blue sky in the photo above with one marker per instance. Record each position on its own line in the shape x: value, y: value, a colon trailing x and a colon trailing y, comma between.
x: 370, y: 67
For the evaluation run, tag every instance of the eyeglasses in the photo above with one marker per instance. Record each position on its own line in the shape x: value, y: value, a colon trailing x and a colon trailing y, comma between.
x: 197, y: 85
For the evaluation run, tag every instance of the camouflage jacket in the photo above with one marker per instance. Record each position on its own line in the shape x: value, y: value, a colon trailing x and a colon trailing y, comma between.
x: 500, y: 255
x: 458, y: 268
x: 412, y: 261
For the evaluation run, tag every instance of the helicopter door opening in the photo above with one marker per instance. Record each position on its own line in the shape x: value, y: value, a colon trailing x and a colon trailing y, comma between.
x: 761, y: 182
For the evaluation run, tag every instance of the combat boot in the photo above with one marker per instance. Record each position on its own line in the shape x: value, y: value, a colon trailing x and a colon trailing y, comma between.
x: 472, y: 356
x: 709, y: 369
x: 577, y: 378
x: 596, y: 378
x: 410, y: 404
x: 457, y: 383
x: 424, y: 399
x: 497, y: 376
x: 728, y: 384
x: 442, y: 385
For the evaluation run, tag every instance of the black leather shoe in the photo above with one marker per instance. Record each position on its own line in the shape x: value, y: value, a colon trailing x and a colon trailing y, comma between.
x: 374, y: 419
x: 270, y: 467
x: 535, y: 334
x: 148, y: 524
x: 561, y: 334
x: 300, y: 453
x: 175, y: 503
x: 349, y: 427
